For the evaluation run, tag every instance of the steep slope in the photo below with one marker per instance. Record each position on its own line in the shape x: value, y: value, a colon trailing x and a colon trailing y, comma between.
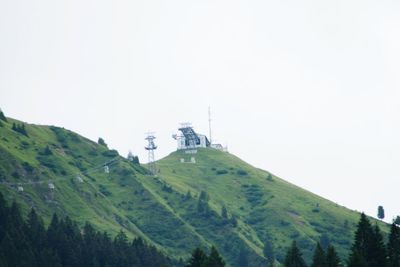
x: 110, y: 201
x: 269, y: 210
x: 178, y: 209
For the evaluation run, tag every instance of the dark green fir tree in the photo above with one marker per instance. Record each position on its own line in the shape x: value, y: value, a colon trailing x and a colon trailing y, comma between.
x: 393, y: 246
x: 214, y: 259
x: 224, y: 212
x: 294, y: 257
x: 2, y: 117
x: 198, y: 259
x: 332, y: 258
x: 377, y: 256
x: 368, y: 248
x: 361, y: 245
x: 381, y: 213
x: 319, y: 258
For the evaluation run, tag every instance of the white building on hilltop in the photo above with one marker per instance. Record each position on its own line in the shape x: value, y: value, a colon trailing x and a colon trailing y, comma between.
x: 184, y: 143
x: 189, y: 139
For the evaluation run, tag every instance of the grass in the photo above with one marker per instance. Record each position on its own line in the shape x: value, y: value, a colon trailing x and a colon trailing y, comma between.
x: 265, y: 204
x: 158, y: 208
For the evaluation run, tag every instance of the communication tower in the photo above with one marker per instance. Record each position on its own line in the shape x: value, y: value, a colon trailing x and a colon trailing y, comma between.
x: 209, y: 123
x: 151, y: 146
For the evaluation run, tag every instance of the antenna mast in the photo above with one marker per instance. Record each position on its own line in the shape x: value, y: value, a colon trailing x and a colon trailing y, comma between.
x: 209, y: 123
x: 150, y: 148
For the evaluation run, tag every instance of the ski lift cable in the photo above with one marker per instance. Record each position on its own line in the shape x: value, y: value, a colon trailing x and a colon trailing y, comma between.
x: 51, y: 181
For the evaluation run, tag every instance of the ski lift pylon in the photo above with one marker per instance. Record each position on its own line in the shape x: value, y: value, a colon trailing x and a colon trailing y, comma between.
x: 79, y: 178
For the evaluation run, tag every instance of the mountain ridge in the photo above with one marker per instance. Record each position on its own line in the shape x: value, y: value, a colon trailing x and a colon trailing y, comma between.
x: 178, y: 209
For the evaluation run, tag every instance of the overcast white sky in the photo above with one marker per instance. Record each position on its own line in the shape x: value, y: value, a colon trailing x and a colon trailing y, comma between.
x: 309, y: 90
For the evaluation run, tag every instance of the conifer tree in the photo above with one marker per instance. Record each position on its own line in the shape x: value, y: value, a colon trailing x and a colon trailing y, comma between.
x: 381, y: 213
x: 23, y: 130
x: 16, y: 245
x: 233, y: 221
x: 52, y: 231
x: 9, y: 251
x: 2, y: 117
x: 214, y: 259
x: 324, y: 241
x: 121, y: 249
x: 361, y: 247
x: 319, y: 258
x: 36, y: 230
x: 294, y: 257
x: 368, y: 248
x: 20, y: 128
x: 202, y: 203
x: 357, y: 260
x: 101, y: 141
x: 332, y: 258
x: 3, y: 215
x: 26, y: 243
x: 198, y: 259
x: 393, y: 246
x: 90, y: 246
x: 224, y: 212
x: 377, y: 256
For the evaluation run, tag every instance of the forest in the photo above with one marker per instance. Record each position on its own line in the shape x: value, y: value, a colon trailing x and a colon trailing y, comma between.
x: 63, y: 243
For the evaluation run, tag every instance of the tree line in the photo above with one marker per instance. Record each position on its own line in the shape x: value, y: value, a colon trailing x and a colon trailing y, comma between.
x: 20, y: 128
x: 63, y: 243
x: 29, y: 243
x: 368, y: 249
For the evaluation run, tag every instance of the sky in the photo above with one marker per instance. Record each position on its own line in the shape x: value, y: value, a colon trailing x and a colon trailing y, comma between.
x: 308, y: 90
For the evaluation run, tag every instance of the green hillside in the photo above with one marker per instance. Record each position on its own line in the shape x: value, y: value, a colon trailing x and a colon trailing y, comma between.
x: 177, y: 210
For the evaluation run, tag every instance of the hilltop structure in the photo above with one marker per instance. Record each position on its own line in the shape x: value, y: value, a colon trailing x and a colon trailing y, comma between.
x: 188, y: 139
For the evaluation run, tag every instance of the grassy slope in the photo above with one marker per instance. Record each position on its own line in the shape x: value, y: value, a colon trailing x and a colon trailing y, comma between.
x: 266, y: 207
x: 111, y: 202
x: 157, y: 208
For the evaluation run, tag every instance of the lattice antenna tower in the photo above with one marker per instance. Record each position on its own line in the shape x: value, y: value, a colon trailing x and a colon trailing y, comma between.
x: 209, y: 123
x: 151, y: 146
